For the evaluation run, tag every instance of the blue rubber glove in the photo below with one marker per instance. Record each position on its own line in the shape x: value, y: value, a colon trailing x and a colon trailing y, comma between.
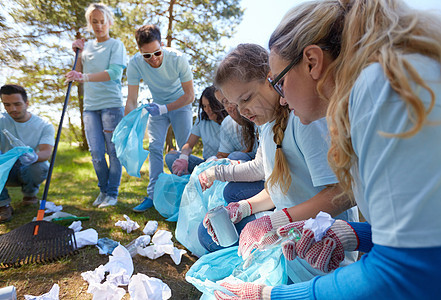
x: 28, y: 158
x: 156, y: 109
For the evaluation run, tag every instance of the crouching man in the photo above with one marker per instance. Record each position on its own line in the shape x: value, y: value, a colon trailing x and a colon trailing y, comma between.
x: 31, y: 169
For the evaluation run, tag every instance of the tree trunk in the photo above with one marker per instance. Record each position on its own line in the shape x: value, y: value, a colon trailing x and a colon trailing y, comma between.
x: 169, y: 140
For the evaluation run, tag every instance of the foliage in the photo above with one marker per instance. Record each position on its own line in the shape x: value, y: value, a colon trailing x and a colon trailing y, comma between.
x: 42, y: 31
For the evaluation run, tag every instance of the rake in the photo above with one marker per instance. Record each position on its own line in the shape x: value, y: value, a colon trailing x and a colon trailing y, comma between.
x: 40, y: 241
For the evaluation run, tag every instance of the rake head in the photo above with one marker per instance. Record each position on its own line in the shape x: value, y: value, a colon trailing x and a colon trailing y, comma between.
x: 20, y: 246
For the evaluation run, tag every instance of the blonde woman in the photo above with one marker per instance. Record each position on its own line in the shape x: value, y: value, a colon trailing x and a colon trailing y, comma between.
x: 100, y: 69
x: 375, y: 67
x: 299, y: 181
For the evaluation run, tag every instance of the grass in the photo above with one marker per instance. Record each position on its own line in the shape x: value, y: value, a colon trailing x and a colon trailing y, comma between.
x: 74, y: 185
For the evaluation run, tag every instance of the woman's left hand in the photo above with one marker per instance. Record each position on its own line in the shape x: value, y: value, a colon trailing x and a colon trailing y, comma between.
x: 74, y: 76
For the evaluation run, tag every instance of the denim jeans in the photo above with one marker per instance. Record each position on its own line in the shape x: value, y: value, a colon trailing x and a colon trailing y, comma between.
x: 239, y: 155
x: 193, y: 161
x: 181, y: 121
x: 99, y: 126
x: 28, y: 177
x: 233, y: 192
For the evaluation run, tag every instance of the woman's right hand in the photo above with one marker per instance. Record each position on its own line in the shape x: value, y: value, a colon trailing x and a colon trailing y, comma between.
x: 236, y: 211
x: 207, y: 178
x: 78, y: 44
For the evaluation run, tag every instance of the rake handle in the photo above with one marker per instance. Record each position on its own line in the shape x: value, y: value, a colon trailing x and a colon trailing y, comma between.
x: 40, y: 213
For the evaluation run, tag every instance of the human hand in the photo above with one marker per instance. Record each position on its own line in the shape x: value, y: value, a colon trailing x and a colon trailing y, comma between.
x: 28, y: 158
x: 326, y: 254
x: 261, y: 232
x: 180, y: 166
x: 244, y: 291
x: 78, y: 44
x: 207, y: 177
x: 156, y: 109
x: 239, y: 210
x: 76, y: 76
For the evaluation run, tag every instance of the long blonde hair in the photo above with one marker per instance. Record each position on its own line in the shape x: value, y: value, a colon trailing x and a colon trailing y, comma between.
x: 250, y: 62
x: 360, y: 32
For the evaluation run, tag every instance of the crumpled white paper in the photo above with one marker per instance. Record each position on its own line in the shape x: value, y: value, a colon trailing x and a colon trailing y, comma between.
x: 143, y: 241
x: 53, y: 294
x: 58, y: 214
x: 150, y: 227
x: 162, y: 244
x: 86, y: 237
x: 76, y: 226
x: 320, y: 225
x: 120, y: 269
x: 142, y: 287
x: 128, y: 225
x: 106, y: 291
x: 51, y: 207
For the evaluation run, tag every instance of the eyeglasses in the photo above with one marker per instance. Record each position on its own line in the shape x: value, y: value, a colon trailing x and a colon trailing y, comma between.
x: 277, y: 84
x: 150, y: 55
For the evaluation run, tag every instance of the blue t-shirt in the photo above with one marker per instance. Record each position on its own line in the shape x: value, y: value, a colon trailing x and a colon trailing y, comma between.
x: 33, y: 132
x: 208, y: 131
x: 306, y: 149
x: 165, y: 82
x: 97, y: 57
x: 398, y: 187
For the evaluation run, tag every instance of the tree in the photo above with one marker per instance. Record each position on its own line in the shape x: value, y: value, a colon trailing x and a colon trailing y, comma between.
x: 194, y: 26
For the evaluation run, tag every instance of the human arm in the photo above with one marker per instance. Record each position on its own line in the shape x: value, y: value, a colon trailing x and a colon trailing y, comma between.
x: 180, y: 166
x: 185, y: 99
x: 132, y: 98
x: 44, y: 152
x: 244, y: 172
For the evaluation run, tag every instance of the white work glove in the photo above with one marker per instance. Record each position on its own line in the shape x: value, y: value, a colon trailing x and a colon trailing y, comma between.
x: 78, y: 44
x: 76, y: 76
x: 180, y: 166
x: 207, y: 178
x: 156, y: 109
x: 28, y: 158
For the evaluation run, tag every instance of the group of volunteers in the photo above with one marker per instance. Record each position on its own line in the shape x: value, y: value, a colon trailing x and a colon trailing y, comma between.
x: 341, y: 114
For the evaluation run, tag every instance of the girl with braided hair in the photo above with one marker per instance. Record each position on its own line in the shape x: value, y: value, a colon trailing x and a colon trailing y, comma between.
x: 374, y: 68
x: 293, y: 157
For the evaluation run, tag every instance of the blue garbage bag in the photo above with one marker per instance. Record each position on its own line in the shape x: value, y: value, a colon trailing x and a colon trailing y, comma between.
x: 194, y: 206
x: 7, y: 161
x: 168, y: 193
x: 268, y: 267
x: 128, y: 139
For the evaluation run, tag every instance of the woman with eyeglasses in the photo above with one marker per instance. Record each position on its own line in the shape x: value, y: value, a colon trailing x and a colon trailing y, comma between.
x: 379, y: 83
x: 207, y: 128
x: 100, y: 69
x: 299, y: 181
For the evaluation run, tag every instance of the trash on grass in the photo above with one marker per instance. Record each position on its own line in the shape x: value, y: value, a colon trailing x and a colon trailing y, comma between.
x: 106, y: 245
x: 86, y: 237
x: 128, y: 225
x: 150, y: 227
x: 162, y: 244
x: 143, y: 287
x: 76, y: 226
x: 53, y: 294
x: 51, y: 207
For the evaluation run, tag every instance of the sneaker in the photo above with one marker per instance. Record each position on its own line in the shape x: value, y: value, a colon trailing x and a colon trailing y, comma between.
x: 29, y: 200
x: 108, y: 201
x: 6, y: 213
x: 144, y: 205
x: 99, y: 199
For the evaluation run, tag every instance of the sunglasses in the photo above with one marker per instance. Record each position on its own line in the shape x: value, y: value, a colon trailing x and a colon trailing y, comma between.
x: 150, y: 55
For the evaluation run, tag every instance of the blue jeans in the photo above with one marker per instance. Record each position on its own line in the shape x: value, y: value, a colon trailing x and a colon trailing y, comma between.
x: 232, y: 192
x: 239, y: 155
x: 181, y: 121
x: 28, y: 177
x: 193, y: 161
x: 99, y: 126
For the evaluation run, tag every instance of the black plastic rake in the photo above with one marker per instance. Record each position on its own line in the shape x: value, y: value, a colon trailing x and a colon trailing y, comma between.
x: 40, y: 241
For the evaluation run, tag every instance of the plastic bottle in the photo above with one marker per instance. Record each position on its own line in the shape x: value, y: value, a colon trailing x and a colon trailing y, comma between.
x: 15, y: 142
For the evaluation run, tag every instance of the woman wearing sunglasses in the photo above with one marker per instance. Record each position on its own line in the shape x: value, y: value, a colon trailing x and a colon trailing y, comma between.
x: 167, y: 74
x: 379, y: 83
x: 299, y: 181
x: 100, y: 69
